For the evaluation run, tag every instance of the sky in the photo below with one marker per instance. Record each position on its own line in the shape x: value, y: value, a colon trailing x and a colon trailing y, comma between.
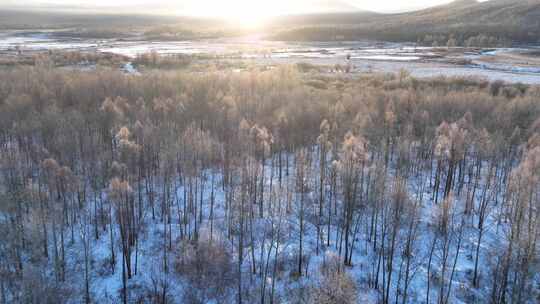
x: 232, y: 8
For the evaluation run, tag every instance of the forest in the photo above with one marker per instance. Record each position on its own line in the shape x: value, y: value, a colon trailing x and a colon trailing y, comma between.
x: 267, y: 186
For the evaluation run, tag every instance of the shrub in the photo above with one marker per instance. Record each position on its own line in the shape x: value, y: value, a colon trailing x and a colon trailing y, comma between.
x: 335, y: 285
x: 208, y: 269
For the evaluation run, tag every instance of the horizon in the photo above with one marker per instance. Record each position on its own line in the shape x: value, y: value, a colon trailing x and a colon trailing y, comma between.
x: 232, y: 9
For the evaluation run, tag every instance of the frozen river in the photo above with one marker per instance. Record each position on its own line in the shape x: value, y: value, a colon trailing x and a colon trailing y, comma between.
x: 247, y: 48
x: 362, y: 56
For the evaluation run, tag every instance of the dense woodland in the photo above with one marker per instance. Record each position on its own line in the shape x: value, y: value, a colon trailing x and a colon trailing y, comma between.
x: 268, y: 186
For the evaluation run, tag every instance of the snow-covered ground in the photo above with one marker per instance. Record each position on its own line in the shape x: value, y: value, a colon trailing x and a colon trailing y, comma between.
x: 106, y: 285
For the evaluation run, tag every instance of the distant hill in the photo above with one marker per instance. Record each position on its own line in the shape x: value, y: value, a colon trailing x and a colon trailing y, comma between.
x: 461, y: 22
x: 22, y: 19
x: 106, y: 26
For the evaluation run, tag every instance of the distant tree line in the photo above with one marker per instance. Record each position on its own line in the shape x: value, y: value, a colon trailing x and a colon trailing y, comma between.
x: 480, y: 40
x: 468, y: 38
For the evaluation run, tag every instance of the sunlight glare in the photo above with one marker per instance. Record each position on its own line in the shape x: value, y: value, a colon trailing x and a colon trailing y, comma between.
x: 246, y: 13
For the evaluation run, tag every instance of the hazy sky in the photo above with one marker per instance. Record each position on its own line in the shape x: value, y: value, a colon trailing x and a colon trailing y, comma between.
x: 227, y: 7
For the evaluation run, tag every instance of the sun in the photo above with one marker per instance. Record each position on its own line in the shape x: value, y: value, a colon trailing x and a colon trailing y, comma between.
x: 245, y: 13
